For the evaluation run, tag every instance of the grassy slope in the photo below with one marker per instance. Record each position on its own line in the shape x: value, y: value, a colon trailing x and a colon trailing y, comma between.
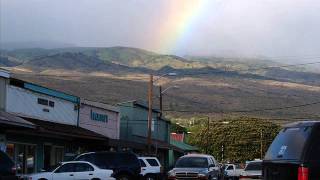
x: 209, y: 94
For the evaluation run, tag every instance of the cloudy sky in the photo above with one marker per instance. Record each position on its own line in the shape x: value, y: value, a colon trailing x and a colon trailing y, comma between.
x: 184, y: 27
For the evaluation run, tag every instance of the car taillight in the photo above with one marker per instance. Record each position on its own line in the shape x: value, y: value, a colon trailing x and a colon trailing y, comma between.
x: 303, y: 173
x: 13, y: 170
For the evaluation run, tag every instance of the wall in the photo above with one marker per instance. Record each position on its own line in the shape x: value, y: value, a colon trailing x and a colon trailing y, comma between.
x: 3, y: 83
x: 134, y: 124
x: 109, y: 129
x: 25, y: 103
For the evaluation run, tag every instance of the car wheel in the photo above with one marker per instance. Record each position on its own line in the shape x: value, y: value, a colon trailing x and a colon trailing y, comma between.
x: 150, y: 177
x: 123, y: 177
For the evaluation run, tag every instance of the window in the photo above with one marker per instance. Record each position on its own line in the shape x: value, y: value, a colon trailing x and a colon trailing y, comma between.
x: 83, y: 167
x: 51, y: 103
x: 192, y: 162
x: 152, y: 162
x: 142, y: 163
x: 43, y: 101
x: 289, y: 144
x: 65, y: 168
x: 254, y: 166
x: 230, y: 168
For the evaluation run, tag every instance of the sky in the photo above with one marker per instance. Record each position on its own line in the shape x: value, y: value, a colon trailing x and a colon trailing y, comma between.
x: 272, y: 28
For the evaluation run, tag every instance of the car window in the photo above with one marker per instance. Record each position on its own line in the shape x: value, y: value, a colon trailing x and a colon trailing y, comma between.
x: 5, y: 161
x: 104, y: 160
x: 83, y: 167
x: 142, y: 163
x: 254, y: 166
x: 127, y: 159
x: 192, y: 162
x: 66, y: 168
x: 153, y: 162
x: 230, y: 168
x: 289, y: 144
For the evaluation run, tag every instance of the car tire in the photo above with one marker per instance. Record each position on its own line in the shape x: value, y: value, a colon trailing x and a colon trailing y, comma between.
x: 123, y: 177
x: 150, y: 177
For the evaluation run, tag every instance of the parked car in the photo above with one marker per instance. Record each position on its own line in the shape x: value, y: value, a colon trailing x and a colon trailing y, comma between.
x: 232, y: 171
x: 294, y: 153
x: 151, y: 168
x: 7, y: 167
x: 253, y: 170
x: 195, y: 166
x: 73, y: 170
x: 125, y: 165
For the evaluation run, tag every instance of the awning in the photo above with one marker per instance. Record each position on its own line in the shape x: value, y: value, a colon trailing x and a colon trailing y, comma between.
x: 12, y: 120
x: 183, y: 146
x: 46, y: 127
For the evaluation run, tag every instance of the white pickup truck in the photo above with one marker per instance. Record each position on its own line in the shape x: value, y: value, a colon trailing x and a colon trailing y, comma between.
x: 231, y: 171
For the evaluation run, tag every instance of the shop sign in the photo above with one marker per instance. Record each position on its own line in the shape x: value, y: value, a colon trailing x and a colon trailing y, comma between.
x: 98, y: 117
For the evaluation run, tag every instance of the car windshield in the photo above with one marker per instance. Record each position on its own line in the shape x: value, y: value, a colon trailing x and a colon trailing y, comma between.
x: 289, y: 144
x: 193, y: 162
x: 254, y: 166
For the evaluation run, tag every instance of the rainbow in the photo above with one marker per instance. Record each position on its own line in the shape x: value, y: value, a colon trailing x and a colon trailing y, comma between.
x: 178, y: 23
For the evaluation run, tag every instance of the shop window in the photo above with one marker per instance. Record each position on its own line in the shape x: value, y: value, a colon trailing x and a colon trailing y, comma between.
x: 24, y: 157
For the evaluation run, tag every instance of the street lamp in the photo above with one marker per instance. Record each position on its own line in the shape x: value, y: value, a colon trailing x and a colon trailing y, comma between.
x: 150, y: 94
x: 162, y: 92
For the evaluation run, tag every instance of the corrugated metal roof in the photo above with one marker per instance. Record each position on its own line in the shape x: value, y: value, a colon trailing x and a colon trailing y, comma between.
x: 183, y: 146
x: 100, y: 105
x: 10, y: 119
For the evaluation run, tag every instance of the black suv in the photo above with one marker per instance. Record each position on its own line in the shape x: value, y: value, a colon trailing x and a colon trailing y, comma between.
x: 295, y: 153
x: 125, y: 165
x: 7, y: 167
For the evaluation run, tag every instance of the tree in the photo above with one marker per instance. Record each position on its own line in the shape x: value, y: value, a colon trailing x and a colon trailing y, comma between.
x: 236, y: 140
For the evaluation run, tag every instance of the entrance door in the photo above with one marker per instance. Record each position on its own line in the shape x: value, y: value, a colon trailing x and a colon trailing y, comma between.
x: 47, y: 157
x: 24, y: 157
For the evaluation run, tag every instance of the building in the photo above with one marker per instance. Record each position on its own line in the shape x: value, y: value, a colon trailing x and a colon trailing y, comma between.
x: 40, y: 126
x: 101, y: 118
x: 134, y: 128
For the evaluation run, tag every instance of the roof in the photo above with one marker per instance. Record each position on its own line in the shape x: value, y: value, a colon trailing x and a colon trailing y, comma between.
x: 139, y: 103
x: 197, y: 155
x: 10, y: 119
x: 302, y: 124
x: 4, y: 73
x: 65, y: 130
x: 100, y: 105
x: 44, y: 90
x: 183, y: 146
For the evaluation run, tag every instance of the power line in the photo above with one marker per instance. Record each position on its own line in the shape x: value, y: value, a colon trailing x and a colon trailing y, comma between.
x: 248, y: 111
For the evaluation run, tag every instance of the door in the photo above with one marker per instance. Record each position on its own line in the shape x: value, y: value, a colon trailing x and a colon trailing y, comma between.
x: 65, y: 172
x: 83, y: 171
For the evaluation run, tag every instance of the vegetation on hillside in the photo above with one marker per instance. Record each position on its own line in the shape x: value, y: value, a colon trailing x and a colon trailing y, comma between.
x: 234, y: 140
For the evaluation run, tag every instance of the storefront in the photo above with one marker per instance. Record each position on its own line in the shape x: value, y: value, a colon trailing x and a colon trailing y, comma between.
x: 100, y: 118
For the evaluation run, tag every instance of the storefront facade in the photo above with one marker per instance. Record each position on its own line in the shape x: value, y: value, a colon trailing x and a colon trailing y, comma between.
x: 101, y: 118
x: 55, y: 135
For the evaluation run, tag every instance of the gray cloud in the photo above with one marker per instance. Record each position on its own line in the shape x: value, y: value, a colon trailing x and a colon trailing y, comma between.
x: 232, y: 27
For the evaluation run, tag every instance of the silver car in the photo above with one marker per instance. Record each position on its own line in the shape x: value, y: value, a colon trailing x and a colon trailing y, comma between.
x: 195, y: 166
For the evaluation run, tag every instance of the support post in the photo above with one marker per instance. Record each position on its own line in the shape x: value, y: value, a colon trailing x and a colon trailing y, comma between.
x: 150, y: 92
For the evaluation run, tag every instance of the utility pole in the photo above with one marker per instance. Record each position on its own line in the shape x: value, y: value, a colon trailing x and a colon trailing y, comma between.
x: 261, y: 144
x: 160, y: 99
x: 208, y: 125
x: 150, y: 92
